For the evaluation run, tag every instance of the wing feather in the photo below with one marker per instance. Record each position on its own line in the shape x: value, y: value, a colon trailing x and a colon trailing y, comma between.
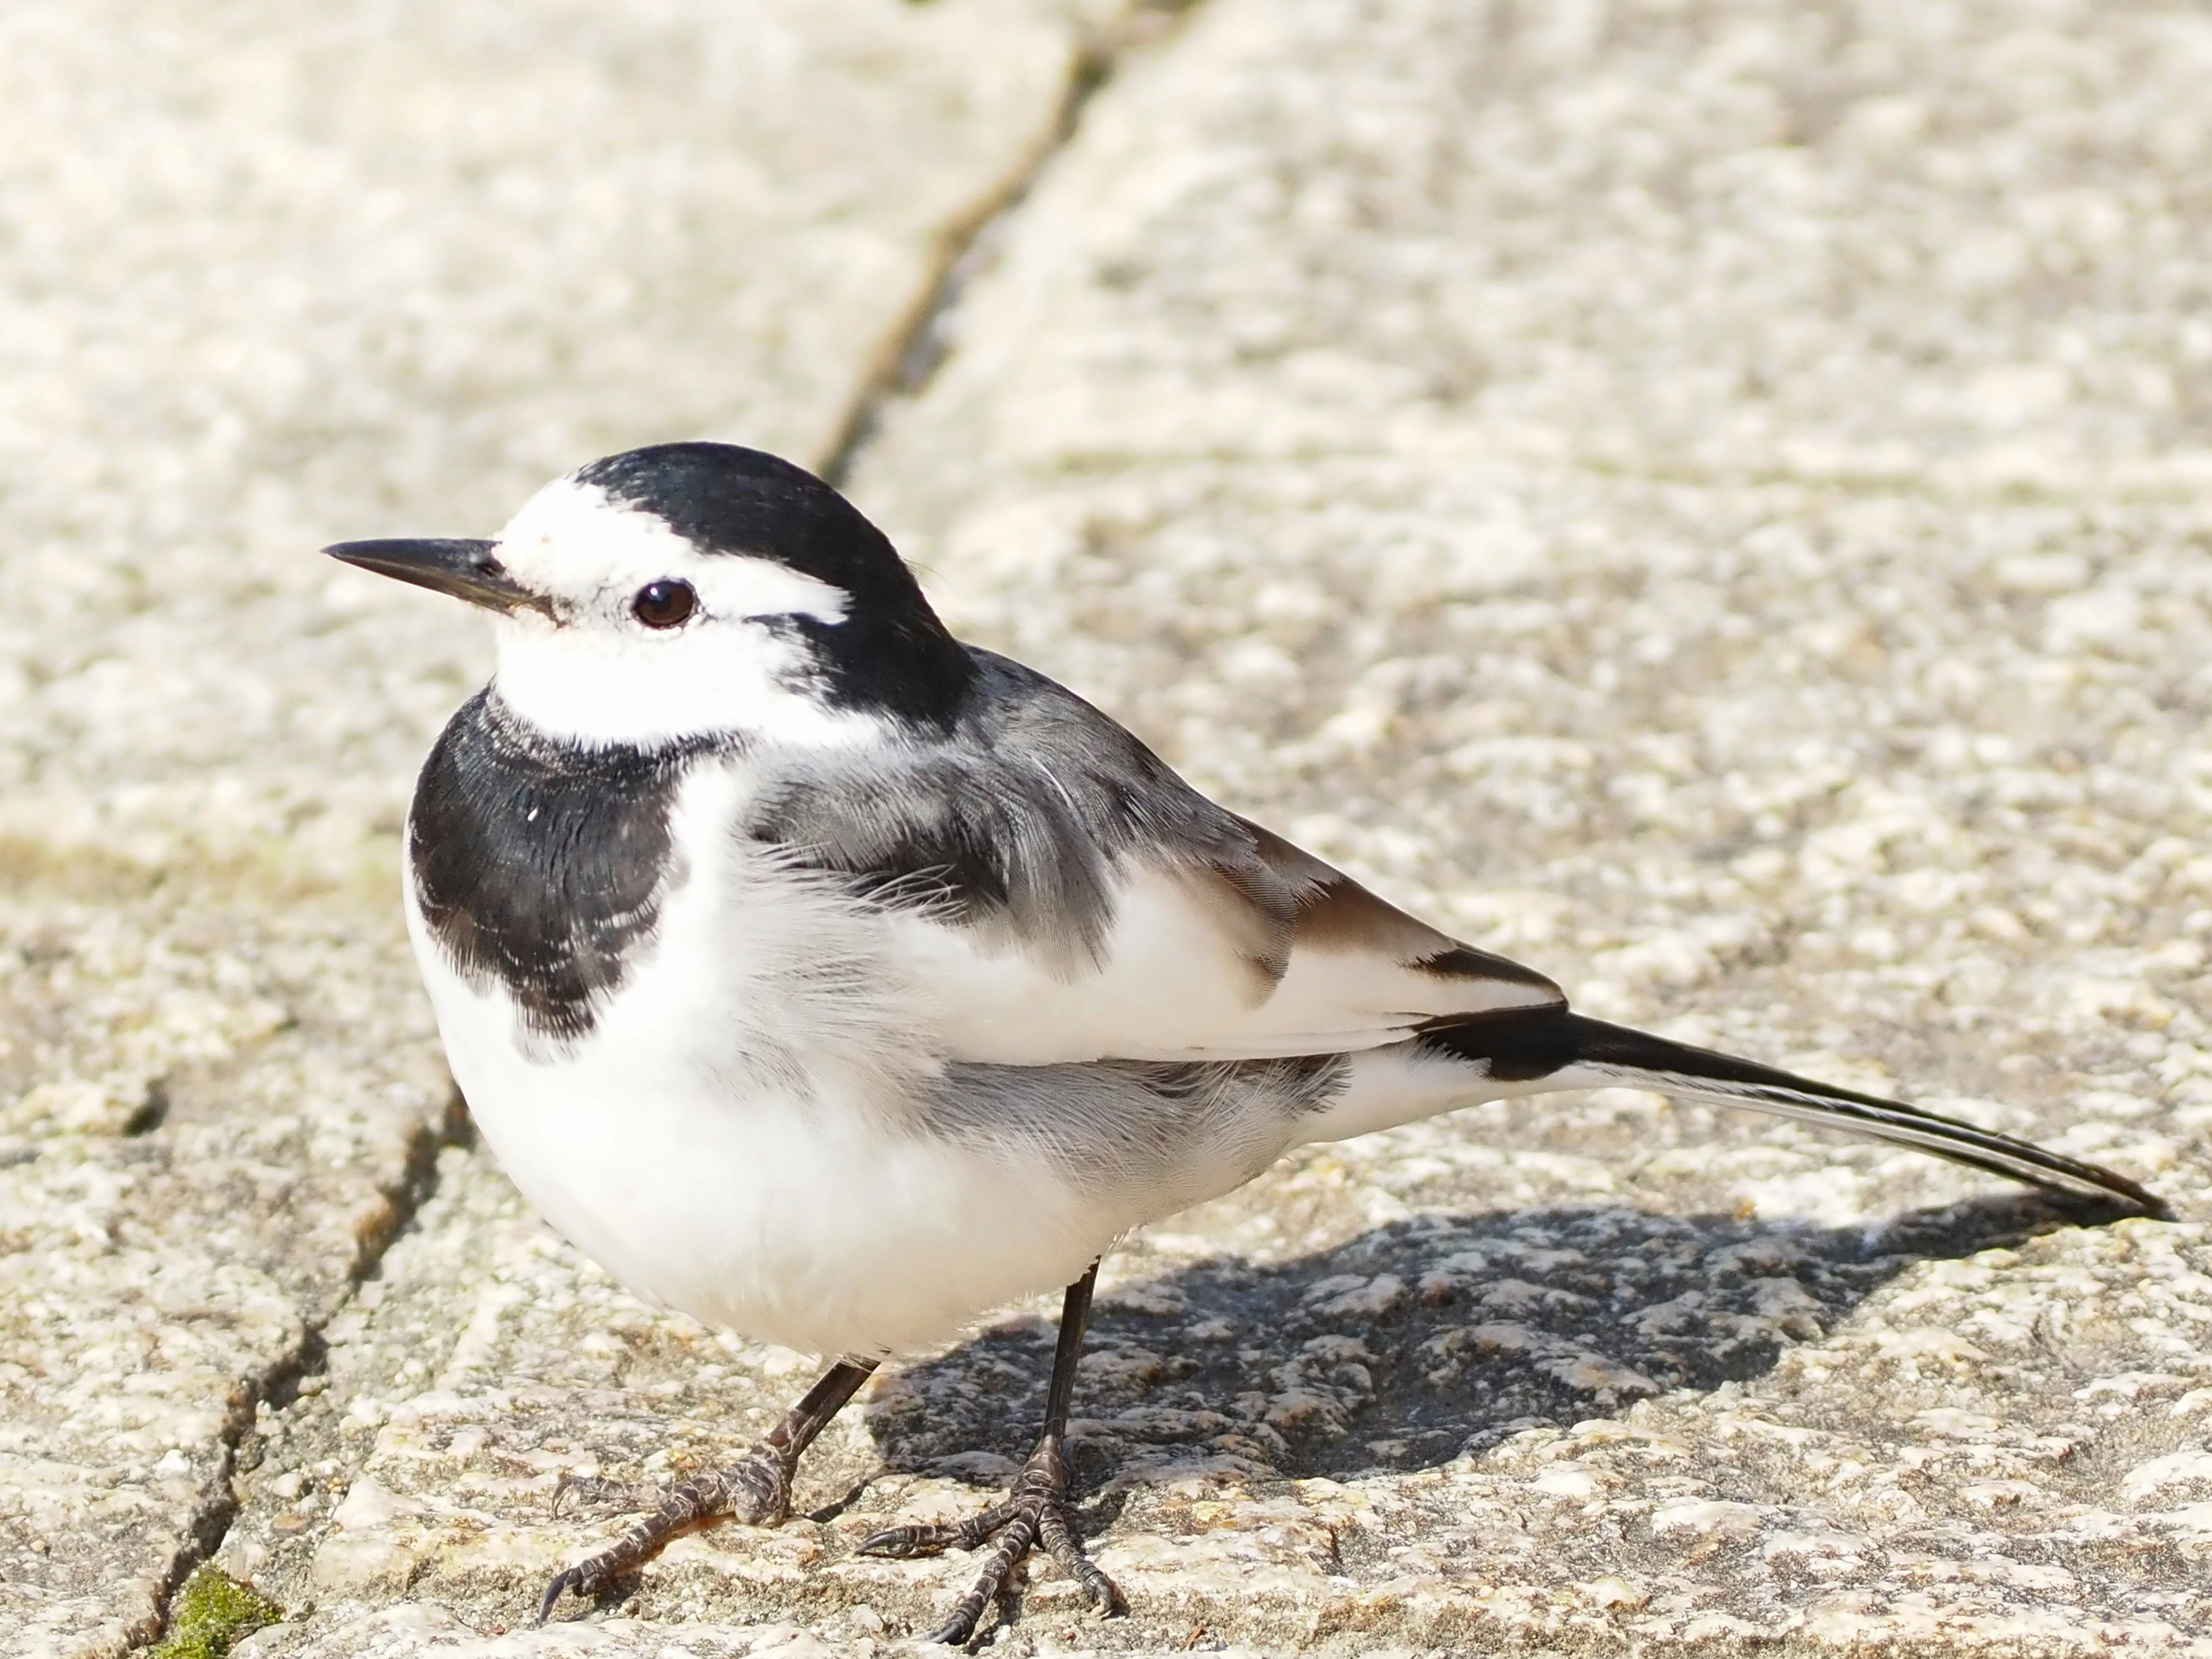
x: 1057, y: 894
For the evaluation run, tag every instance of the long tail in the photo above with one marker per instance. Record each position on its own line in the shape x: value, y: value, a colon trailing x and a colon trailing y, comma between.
x: 1563, y: 1050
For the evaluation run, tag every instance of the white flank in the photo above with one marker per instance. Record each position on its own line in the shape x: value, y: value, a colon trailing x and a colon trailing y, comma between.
x: 1403, y: 1084
x: 1173, y: 984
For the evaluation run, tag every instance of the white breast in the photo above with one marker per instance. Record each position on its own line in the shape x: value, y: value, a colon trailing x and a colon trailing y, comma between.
x: 732, y: 1138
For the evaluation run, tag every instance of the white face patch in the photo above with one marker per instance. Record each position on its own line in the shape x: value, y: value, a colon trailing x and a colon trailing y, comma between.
x: 599, y: 674
x: 574, y: 542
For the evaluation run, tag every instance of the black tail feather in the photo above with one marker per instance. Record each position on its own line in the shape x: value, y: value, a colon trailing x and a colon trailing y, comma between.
x: 1584, y: 1053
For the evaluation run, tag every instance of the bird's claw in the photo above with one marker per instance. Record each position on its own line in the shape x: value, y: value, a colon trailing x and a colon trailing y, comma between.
x: 755, y: 1489
x: 591, y: 1491
x: 1038, y: 1512
x: 578, y: 1578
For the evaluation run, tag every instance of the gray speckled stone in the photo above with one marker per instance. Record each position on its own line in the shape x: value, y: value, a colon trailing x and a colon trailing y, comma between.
x: 1707, y: 499
x: 271, y: 275
x: 1346, y: 407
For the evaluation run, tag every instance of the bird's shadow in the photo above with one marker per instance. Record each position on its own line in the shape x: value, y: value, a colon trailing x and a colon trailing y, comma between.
x: 1418, y: 1340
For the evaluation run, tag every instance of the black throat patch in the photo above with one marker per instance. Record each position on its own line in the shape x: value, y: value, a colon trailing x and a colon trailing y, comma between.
x: 542, y: 865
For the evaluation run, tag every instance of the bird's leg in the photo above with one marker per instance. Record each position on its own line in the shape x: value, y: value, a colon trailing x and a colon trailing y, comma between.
x: 1037, y: 1511
x: 756, y: 1488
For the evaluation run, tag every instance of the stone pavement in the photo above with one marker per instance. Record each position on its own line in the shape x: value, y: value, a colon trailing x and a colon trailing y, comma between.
x: 1712, y: 499
x: 273, y: 274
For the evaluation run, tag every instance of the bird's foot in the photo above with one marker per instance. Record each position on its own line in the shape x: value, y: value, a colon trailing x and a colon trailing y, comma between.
x: 755, y: 1489
x: 592, y: 1493
x: 1038, y: 1512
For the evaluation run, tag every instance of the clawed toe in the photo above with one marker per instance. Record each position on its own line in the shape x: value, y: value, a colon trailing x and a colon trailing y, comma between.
x: 568, y: 1579
x: 590, y: 1492
x: 756, y: 1488
x: 934, y: 1539
x: 1038, y: 1513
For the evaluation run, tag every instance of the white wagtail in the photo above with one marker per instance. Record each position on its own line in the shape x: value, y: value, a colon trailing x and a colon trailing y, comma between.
x: 834, y: 982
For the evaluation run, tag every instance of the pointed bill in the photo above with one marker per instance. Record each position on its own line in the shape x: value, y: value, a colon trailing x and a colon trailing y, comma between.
x: 467, y: 570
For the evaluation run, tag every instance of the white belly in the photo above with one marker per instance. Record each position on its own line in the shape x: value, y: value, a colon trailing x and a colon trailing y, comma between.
x: 730, y: 1138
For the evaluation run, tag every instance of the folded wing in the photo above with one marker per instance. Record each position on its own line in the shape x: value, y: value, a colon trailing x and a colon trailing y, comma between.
x: 1059, y: 895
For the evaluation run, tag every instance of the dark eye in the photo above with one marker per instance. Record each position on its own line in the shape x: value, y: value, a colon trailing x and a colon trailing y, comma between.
x: 664, y: 604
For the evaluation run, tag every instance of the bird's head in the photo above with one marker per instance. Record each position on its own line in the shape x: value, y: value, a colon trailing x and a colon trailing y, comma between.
x: 695, y: 588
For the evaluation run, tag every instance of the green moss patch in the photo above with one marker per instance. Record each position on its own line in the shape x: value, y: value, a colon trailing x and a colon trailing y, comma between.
x: 209, y: 1615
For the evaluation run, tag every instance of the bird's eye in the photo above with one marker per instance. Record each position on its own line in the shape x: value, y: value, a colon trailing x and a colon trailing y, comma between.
x: 664, y: 604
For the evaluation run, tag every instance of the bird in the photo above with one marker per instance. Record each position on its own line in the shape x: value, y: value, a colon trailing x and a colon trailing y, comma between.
x: 834, y: 982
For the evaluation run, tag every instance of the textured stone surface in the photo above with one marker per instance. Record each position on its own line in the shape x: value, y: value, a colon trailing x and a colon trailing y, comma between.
x: 271, y: 275
x: 1563, y: 1420
x: 1706, y: 498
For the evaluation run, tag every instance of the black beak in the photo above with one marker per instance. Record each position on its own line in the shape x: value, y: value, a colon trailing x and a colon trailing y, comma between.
x: 467, y: 570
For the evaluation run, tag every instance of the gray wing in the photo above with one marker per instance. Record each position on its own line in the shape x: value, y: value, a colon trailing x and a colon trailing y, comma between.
x: 1061, y: 895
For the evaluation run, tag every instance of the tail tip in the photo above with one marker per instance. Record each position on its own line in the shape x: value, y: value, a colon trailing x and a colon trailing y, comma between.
x: 2102, y: 1209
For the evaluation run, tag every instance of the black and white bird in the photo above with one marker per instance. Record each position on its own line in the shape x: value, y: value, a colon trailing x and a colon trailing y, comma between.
x: 834, y: 982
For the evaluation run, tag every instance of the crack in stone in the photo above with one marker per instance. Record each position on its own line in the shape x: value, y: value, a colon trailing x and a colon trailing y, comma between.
x: 919, y: 349
x: 278, y: 1383
x: 920, y: 345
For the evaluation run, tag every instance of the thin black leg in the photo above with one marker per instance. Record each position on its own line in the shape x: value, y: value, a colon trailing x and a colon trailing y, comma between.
x: 1037, y: 1511
x: 756, y: 1488
x: 805, y: 1420
x: 1074, y: 1322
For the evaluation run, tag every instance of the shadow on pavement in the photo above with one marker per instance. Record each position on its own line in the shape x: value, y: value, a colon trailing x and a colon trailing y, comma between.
x: 1418, y: 1339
